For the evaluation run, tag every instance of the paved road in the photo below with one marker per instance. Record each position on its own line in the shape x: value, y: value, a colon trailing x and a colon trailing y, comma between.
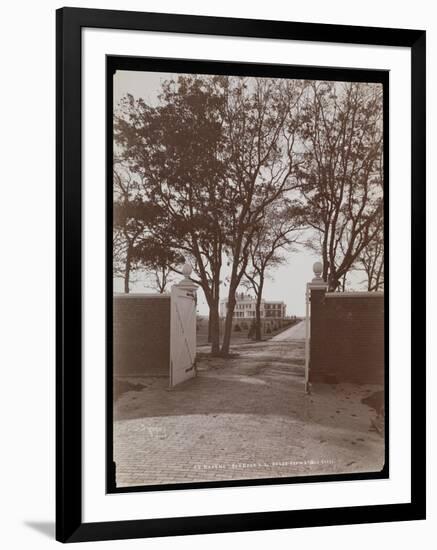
x: 246, y: 416
x: 296, y: 332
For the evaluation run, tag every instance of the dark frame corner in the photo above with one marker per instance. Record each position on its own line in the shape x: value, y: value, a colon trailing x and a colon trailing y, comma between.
x: 69, y: 24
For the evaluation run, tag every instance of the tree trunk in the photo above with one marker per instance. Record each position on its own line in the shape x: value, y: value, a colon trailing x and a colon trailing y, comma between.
x: 236, y: 274
x: 228, y: 323
x: 210, y: 326
x: 343, y: 283
x: 325, y: 262
x: 127, y: 272
x: 369, y: 283
x: 258, y: 335
x: 214, y: 328
x: 258, y: 332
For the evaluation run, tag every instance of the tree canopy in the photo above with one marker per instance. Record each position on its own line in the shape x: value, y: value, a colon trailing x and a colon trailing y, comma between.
x: 222, y: 171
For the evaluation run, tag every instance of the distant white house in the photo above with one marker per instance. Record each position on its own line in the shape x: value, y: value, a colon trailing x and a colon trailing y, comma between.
x: 245, y: 308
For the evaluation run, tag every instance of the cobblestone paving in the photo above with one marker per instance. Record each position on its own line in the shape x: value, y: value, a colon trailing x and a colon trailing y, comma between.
x: 244, y: 417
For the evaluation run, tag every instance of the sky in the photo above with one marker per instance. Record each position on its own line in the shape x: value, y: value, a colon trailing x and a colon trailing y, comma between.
x: 140, y: 84
x: 287, y: 282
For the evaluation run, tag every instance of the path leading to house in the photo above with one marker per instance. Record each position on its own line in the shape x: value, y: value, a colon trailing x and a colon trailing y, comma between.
x: 243, y: 417
x: 295, y: 332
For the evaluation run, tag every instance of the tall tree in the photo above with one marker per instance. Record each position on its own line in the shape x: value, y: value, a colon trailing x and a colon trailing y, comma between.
x: 178, y: 151
x: 341, y: 130
x: 260, y: 131
x: 139, y: 238
x: 275, y: 233
x: 371, y: 260
x: 157, y: 261
x: 127, y: 228
x: 214, y: 155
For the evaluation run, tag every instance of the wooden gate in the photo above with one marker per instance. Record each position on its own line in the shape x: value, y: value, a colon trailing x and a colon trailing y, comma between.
x: 182, y: 332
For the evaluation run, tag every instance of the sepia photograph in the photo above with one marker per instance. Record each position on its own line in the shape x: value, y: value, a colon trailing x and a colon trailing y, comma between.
x: 248, y: 326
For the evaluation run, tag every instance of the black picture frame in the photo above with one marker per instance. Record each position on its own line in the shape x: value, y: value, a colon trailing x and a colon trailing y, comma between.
x: 174, y: 66
x: 69, y: 525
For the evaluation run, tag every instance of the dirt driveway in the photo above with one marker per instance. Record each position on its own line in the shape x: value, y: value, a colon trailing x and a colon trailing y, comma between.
x: 243, y: 417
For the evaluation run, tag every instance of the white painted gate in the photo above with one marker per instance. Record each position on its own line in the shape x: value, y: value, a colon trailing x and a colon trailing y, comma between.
x: 182, y: 331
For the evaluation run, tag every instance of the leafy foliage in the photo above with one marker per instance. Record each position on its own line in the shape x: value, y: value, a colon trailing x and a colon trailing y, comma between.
x: 223, y: 170
x: 341, y: 175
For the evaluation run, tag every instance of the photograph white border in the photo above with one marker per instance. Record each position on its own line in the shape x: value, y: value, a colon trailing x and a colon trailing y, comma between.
x: 97, y: 505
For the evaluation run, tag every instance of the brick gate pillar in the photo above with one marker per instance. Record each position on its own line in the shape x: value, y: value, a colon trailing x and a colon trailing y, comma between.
x: 316, y: 290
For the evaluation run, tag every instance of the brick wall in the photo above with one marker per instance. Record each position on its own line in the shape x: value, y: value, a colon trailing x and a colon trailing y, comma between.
x: 141, y: 335
x: 347, y: 337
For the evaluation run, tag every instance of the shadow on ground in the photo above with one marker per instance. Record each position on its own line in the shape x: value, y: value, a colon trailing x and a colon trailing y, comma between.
x: 246, y: 416
x: 46, y: 528
x: 266, y: 379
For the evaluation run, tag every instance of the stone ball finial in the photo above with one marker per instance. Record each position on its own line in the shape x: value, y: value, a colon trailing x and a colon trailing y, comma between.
x: 318, y: 268
x: 187, y: 270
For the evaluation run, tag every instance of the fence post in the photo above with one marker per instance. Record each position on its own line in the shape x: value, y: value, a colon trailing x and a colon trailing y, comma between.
x: 315, y: 292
